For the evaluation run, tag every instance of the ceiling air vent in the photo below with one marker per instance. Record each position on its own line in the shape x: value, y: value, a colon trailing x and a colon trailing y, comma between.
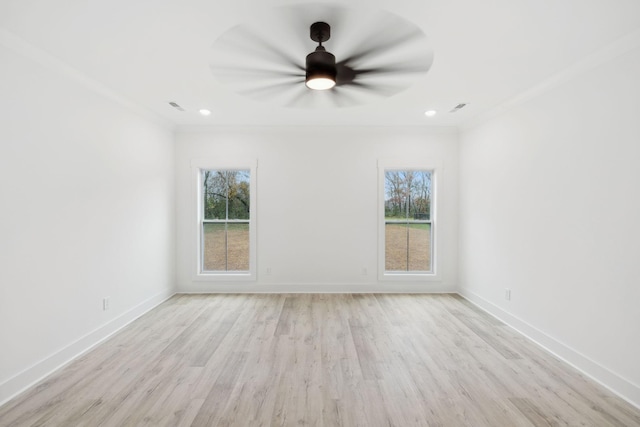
x: 458, y: 108
x: 176, y: 106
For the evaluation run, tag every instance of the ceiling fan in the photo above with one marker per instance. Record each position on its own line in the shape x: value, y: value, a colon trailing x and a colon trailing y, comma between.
x: 371, y: 57
x: 321, y: 70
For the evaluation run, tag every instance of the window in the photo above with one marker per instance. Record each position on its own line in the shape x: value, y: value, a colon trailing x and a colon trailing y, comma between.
x: 407, y: 222
x: 226, y: 231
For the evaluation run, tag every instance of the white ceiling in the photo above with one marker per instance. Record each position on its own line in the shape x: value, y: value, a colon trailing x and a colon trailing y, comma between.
x: 485, y: 53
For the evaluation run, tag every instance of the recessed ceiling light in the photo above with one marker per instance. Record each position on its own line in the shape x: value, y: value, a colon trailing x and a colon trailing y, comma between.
x: 205, y: 112
x: 430, y: 113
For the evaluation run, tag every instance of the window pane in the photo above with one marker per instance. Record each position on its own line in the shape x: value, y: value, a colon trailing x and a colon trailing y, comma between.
x: 408, y: 247
x: 239, y: 194
x: 395, y: 195
x: 407, y: 194
x: 421, y: 196
x: 238, y: 247
x: 226, y: 247
x: 419, y: 247
x: 226, y: 194
x: 214, y: 192
x: 395, y: 251
x: 214, y: 257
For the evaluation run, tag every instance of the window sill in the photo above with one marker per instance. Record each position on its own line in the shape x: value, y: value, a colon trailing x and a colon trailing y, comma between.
x: 408, y: 277
x: 225, y: 277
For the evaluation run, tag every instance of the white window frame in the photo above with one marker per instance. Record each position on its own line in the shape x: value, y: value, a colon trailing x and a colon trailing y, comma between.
x: 197, y: 167
x: 436, y: 182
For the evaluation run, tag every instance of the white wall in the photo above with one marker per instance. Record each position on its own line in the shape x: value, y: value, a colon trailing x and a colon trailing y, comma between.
x: 329, y: 178
x: 550, y: 208
x: 86, y: 211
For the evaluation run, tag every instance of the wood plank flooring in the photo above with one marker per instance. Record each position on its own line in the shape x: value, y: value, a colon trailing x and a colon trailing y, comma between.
x: 317, y: 360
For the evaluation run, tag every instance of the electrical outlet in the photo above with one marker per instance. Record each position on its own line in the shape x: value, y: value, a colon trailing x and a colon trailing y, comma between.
x: 364, y: 271
x: 507, y: 294
x: 106, y: 303
x: 269, y: 271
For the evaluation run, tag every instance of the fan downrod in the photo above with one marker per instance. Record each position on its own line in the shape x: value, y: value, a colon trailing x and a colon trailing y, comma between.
x: 320, y: 32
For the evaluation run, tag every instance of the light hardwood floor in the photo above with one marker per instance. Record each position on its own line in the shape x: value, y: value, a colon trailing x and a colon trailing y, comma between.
x: 317, y: 360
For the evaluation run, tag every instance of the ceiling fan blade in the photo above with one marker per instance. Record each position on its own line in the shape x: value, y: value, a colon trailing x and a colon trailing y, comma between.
x: 253, y: 72
x: 379, y: 45
x: 265, y: 91
x: 247, y: 40
x: 335, y: 99
x: 342, y: 98
x: 376, y: 89
x: 344, y: 74
x: 363, y: 86
x: 391, y: 70
x: 301, y: 99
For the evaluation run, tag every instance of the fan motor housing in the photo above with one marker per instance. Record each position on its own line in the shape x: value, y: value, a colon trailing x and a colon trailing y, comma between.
x: 321, y: 64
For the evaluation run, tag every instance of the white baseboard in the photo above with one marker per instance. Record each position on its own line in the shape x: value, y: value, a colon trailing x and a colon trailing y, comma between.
x: 34, y: 374
x: 604, y: 376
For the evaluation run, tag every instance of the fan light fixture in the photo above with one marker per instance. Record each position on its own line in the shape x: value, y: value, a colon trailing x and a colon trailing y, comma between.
x: 321, y: 65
